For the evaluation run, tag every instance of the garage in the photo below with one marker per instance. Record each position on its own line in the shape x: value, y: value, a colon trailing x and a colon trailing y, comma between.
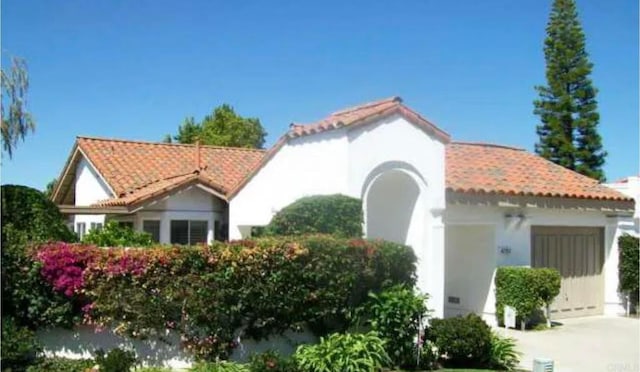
x: 578, y: 254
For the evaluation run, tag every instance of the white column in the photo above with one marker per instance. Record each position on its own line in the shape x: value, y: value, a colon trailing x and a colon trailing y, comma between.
x: 615, y: 227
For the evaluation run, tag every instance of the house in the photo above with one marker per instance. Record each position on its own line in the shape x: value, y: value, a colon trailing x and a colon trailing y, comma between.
x: 465, y: 208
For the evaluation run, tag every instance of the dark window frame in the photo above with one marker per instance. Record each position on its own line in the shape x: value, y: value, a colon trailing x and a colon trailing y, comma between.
x: 153, y: 233
x: 174, y: 238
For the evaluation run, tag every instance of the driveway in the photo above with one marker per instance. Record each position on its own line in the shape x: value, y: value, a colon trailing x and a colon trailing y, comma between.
x: 599, y: 344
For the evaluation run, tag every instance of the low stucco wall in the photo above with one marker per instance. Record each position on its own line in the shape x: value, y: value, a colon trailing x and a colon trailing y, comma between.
x: 165, y: 351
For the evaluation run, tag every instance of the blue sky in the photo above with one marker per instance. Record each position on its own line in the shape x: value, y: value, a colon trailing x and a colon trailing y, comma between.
x: 136, y: 69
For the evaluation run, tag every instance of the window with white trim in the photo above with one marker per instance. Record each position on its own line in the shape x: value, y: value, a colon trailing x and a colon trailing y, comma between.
x: 96, y: 225
x: 152, y: 227
x: 189, y: 232
x: 81, y: 229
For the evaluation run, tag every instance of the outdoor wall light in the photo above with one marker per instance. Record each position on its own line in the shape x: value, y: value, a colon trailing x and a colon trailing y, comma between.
x: 513, y: 219
x: 504, y: 249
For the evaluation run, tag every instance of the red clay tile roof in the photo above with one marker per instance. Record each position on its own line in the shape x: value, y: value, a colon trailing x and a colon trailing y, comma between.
x: 135, y: 170
x: 159, y: 188
x: 484, y: 168
x: 363, y: 114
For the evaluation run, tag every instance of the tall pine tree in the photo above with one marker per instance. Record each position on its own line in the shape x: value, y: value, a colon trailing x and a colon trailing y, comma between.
x: 567, y: 105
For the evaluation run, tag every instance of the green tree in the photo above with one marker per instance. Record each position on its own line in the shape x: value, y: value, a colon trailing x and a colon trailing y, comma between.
x: 223, y: 127
x: 567, y: 105
x: 189, y: 131
x: 48, y: 191
x: 17, y: 122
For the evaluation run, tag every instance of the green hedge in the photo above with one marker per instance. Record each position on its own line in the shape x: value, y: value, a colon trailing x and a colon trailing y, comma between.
x: 628, y: 262
x: 525, y: 289
x: 321, y: 214
x: 30, y: 212
x: 265, y: 286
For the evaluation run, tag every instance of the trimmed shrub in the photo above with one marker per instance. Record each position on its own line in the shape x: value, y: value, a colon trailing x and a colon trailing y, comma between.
x: 263, y: 286
x: 62, y: 365
x: 271, y: 361
x: 338, y: 215
x: 115, y: 235
x: 628, y: 262
x: 343, y: 352
x: 464, y: 342
x: 29, y: 211
x: 396, y: 315
x: 19, y: 346
x: 525, y: 289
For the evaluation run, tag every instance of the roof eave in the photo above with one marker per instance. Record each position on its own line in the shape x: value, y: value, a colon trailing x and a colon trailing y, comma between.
x: 523, y: 200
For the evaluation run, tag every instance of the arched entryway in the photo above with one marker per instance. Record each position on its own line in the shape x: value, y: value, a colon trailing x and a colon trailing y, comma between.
x: 394, y: 205
x: 396, y: 202
x: 391, y: 201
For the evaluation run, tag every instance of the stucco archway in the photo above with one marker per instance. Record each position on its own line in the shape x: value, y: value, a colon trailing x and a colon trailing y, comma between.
x: 394, y: 208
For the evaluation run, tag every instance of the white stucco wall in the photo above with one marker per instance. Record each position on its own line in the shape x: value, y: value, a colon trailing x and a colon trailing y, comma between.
x: 395, y: 143
x: 84, y: 340
x: 469, y: 271
x: 515, y: 235
x: 311, y: 165
x: 89, y: 189
x: 630, y: 186
x: 348, y: 161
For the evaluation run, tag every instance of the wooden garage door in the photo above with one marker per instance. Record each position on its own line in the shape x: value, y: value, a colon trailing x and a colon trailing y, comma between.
x: 578, y: 253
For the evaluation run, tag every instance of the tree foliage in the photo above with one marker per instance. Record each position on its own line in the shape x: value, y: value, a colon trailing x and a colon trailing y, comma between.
x: 48, y: 191
x: 567, y: 105
x: 30, y: 212
x: 17, y: 122
x: 223, y: 127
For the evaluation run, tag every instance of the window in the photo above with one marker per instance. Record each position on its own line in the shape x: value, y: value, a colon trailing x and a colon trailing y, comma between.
x: 188, y: 232
x: 81, y: 229
x: 128, y: 224
x: 96, y: 225
x: 152, y: 227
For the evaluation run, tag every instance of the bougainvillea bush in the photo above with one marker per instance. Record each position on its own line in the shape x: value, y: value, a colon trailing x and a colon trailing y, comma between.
x: 213, y: 295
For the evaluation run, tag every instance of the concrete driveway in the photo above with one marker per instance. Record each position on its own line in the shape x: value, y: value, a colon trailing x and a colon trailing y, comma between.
x: 599, y: 344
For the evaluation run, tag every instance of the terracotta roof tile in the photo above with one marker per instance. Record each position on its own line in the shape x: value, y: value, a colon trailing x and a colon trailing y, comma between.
x: 132, y: 168
x: 362, y: 114
x: 485, y: 168
x: 137, y: 170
